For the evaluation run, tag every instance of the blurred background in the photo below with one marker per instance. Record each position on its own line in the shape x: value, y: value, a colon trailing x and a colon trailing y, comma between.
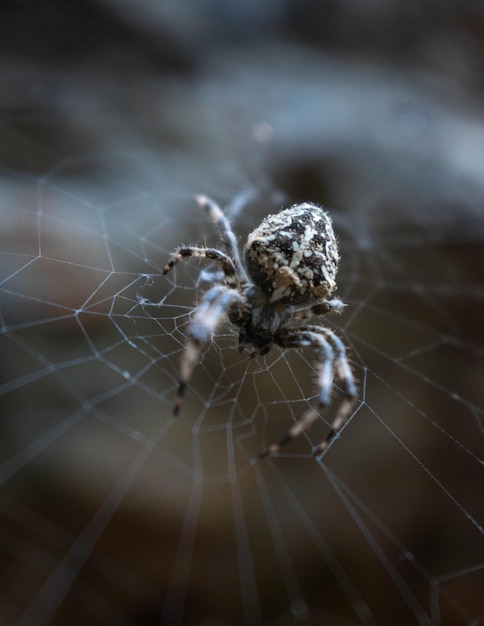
x: 113, y: 115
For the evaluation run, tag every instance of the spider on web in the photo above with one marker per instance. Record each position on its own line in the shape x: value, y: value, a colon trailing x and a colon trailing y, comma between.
x: 291, y: 261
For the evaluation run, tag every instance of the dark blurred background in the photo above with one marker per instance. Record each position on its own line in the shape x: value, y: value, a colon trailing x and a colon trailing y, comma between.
x: 112, y: 116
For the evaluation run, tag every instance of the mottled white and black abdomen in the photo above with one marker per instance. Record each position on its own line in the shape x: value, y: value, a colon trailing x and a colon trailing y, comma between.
x: 292, y: 257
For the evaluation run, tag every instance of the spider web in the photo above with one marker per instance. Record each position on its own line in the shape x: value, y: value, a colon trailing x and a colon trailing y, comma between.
x: 113, y: 511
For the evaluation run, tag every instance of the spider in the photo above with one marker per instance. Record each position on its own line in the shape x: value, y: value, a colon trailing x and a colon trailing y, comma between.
x: 291, y: 260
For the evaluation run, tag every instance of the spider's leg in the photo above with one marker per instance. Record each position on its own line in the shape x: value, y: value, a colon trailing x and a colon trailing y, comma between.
x: 345, y: 376
x: 321, y: 308
x: 218, y: 303
x: 297, y: 339
x: 228, y: 266
x: 217, y: 216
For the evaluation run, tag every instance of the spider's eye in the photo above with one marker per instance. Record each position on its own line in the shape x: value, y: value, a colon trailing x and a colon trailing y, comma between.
x: 292, y: 256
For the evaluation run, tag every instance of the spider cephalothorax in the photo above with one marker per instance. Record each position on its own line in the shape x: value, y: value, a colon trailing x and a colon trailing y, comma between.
x: 291, y: 260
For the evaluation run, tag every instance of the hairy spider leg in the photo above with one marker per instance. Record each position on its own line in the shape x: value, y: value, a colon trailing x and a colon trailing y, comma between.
x: 228, y: 267
x: 217, y: 216
x: 298, y: 339
x: 344, y: 374
x: 216, y: 305
x: 321, y: 308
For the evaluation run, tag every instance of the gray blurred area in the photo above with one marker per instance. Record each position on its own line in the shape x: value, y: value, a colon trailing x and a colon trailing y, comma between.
x: 112, y: 116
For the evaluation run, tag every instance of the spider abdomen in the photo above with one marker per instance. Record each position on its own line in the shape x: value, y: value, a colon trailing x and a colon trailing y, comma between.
x: 292, y: 256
